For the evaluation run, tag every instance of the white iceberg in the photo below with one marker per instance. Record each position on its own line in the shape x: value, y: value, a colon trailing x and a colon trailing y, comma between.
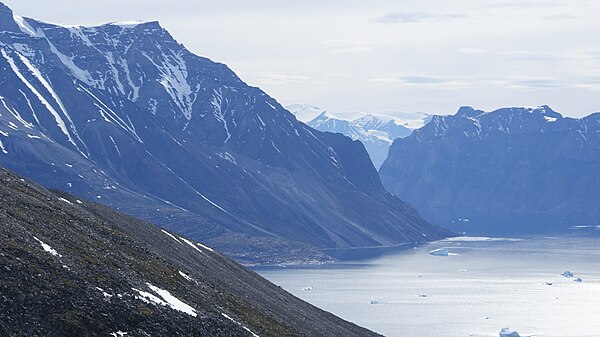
x: 506, y: 332
x: 567, y: 274
x: 439, y: 252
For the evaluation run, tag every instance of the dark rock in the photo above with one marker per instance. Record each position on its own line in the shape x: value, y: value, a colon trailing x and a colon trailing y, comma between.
x: 109, y: 255
x: 513, y: 170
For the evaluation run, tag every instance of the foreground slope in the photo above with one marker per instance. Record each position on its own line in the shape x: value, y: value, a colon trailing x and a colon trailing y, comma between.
x: 72, y: 268
x: 124, y: 114
x: 510, y: 170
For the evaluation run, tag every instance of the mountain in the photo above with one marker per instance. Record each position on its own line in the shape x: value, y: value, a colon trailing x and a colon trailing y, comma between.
x: 375, y: 132
x: 123, y: 114
x: 523, y: 169
x: 75, y: 268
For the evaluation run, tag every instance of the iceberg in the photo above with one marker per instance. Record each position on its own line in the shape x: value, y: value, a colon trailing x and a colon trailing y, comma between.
x: 567, y: 274
x: 506, y: 332
x: 439, y: 252
x: 578, y: 279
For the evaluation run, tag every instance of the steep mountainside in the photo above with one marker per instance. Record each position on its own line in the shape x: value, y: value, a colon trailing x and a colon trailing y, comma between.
x: 73, y: 268
x: 124, y: 114
x: 375, y: 132
x: 510, y: 170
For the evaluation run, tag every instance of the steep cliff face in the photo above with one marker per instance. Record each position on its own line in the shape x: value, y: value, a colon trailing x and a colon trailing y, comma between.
x: 73, y: 268
x: 123, y: 114
x: 513, y: 169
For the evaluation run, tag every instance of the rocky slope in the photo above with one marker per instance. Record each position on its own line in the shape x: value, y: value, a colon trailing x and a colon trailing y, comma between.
x: 73, y: 268
x: 123, y: 114
x: 510, y: 170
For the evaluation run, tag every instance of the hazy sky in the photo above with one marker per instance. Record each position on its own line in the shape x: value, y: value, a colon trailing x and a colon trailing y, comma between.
x: 372, y: 55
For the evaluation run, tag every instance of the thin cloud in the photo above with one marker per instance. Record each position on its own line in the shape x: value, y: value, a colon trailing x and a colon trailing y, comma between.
x: 416, y: 17
x: 419, y: 80
x: 521, y: 4
x: 532, y: 56
x: 557, y: 17
x: 472, y: 51
x: 351, y: 50
x: 348, y: 46
x: 281, y: 79
x: 423, y: 80
x: 531, y: 83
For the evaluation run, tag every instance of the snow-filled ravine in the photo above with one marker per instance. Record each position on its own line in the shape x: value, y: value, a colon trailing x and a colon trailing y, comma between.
x: 482, y: 286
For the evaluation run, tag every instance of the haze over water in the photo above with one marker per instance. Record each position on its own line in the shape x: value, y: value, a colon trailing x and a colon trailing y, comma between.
x: 486, y: 286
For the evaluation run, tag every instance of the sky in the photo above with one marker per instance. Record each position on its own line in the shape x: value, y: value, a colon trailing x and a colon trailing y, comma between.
x: 370, y: 56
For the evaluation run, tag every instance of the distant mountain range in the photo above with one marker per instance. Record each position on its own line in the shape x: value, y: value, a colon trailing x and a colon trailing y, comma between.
x: 75, y: 268
x: 123, y: 114
x: 522, y: 169
x: 376, y: 132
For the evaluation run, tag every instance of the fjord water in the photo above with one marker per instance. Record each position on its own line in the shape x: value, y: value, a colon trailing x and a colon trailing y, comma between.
x: 484, y: 285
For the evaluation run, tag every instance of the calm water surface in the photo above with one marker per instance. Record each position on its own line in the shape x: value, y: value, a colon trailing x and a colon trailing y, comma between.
x: 483, y: 286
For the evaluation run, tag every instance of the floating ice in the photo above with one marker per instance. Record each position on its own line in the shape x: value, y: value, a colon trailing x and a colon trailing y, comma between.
x: 506, y: 332
x: 567, y: 274
x: 439, y: 252
x: 480, y: 239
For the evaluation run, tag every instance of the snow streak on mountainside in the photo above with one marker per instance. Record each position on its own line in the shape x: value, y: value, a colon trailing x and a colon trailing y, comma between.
x: 521, y: 169
x: 123, y: 114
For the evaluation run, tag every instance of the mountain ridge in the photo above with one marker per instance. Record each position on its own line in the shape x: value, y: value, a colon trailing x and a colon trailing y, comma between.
x: 129, y: 117
x: 528, y: 166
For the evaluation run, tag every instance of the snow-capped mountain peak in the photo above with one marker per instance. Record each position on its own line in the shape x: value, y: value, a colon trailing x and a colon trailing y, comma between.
x: 375, y: 132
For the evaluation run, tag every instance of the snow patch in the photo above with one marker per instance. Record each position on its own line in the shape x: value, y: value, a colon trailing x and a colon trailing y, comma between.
x: 165, y: 299
x: 115, y: 144
x: 127, y: 24
x: 59, y: 121
x: 119, y: 333
x: 24, y: 25
x: 205, y: 247
x: 191, y: 244
x: 104, y: 293
x: 3, y: 148
x: 185, y: 276
x: 171, y: 235
x: 47, y: 248
x: 240, y: 324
